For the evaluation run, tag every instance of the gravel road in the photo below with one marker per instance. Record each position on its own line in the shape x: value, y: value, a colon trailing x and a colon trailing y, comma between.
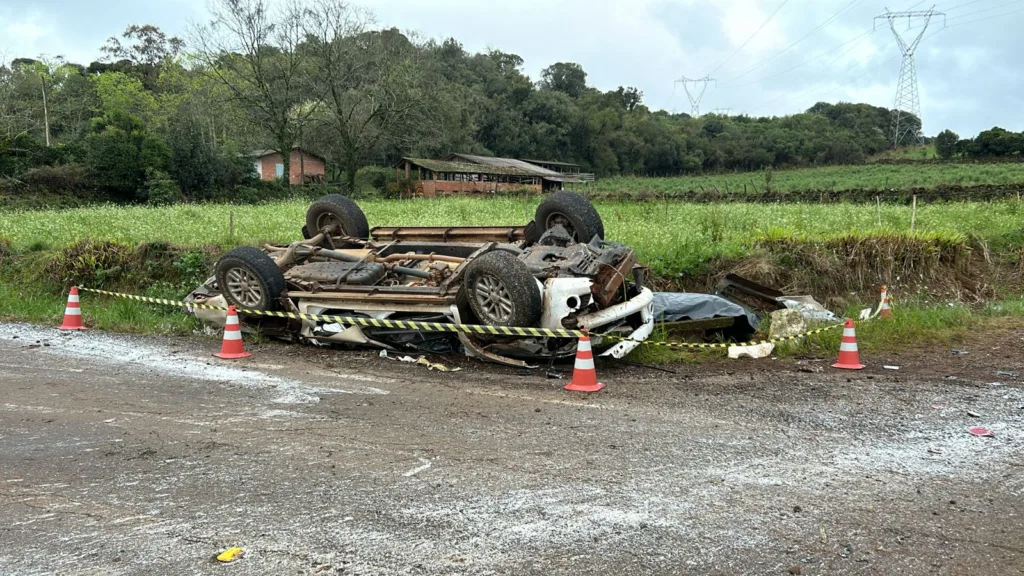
x: 132, y: 455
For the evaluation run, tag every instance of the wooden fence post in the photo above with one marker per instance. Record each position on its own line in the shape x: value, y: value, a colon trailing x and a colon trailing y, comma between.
x: 913, y: 215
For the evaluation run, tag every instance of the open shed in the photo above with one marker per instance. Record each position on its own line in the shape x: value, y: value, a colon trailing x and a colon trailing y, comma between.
x: 471, y: 174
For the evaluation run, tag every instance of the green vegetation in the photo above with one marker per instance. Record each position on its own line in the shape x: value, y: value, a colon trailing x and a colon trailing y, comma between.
x: 870, y: 177
x: 905, y: 153
x: 671, y: 237
x: 32, y: 285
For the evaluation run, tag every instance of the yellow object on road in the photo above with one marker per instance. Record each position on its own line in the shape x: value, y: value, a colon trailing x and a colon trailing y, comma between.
x: 230, y: 555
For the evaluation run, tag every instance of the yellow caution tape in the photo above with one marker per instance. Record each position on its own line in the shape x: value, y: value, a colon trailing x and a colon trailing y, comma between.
x: 230, y: 555
x: 360, y: 321
x: 439, y: 327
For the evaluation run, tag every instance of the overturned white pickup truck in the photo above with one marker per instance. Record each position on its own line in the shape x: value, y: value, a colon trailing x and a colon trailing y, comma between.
x: 556, y: 272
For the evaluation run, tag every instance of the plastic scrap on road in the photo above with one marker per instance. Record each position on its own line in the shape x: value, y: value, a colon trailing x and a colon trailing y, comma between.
x: 231, y: 554
x: 422, y: 361
x: 979, y: 431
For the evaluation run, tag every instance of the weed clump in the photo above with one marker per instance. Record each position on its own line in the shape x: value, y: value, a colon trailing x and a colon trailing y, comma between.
x: 156, y: 268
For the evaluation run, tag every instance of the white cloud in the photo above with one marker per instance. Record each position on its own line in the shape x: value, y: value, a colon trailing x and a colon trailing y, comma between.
x: 742, y: 18
x: 967, y: 73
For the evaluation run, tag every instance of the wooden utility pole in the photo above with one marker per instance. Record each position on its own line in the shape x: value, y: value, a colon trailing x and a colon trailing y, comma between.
x: 46, y: 111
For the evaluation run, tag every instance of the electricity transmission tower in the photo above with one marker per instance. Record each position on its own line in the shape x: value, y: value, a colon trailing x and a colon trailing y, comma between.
x: 906, y: 111
x: 693, y: 94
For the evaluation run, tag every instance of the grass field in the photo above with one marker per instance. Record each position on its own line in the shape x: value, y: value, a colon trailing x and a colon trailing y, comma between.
x: 869, y: 176
x: 671, y: 237
x: 907, y: 153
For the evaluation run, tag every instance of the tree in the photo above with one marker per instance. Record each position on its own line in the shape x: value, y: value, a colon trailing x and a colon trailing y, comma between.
x: 121, y: 150
x: 147, y: 49
x: 629, y: 98
x: 945, y: 143
x: 256, y: 52
x: 566, y: 77
x: 375, y: 93
x: 124, y: 94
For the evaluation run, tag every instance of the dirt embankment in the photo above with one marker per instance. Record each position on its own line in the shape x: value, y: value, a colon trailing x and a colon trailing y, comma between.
x: 847, y: 270
x: 837, y: 271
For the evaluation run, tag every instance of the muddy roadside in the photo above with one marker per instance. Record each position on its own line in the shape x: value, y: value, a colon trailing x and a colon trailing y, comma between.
x: 136, y: 455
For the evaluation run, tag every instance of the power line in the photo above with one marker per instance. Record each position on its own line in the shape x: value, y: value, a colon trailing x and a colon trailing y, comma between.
x: 985, y: 18
x: 858, y: 39
x: 987, y: 9
x: 956, y: 23
x: 806, y: 36
x: 959, y: 6
x: 817, y: 87
x: 756, y: 32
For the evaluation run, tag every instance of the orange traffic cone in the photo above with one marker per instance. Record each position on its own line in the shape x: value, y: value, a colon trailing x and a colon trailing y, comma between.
x: 73, y: 312
x: 849, y: 358
x: 584, y: 376
x: 232, y: 346
x: 885, y: 311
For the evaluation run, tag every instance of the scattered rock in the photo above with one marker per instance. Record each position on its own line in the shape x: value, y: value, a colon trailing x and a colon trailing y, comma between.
x: 796, y: 570
x: 797, y: 509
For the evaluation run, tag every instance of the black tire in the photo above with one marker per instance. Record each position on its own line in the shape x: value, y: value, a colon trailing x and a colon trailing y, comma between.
x: 572, y: 211
x: 249, y: 279
x: 501, y: 291
x: 305, y: 232
x: 337, y: 209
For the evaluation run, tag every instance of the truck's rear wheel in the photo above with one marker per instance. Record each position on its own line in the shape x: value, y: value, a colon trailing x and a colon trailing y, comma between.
x: 337, y: 211
x: 571, y: 211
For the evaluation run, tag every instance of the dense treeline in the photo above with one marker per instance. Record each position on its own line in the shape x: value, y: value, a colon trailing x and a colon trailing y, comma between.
x: 158, y: 119
x: 994, y: 143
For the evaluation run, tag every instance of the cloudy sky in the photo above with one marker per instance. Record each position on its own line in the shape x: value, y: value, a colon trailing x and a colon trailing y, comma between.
x: 769, y: 57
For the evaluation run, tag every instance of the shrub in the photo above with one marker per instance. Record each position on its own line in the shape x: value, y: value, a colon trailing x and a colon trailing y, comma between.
x: 375, y: 177
x: 160, y: 189
x: 90, y: 262
x: 5, y: 248
x: 57, y: 178
x: 192, y: 268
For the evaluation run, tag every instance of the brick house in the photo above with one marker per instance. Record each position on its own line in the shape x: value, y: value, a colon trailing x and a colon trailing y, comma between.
x: 305, y: 166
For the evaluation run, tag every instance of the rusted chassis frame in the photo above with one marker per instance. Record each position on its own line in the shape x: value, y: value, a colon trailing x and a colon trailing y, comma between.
x: 468, y: 234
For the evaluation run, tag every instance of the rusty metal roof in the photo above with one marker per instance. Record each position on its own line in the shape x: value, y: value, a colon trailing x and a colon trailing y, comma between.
x: 505, y: 163
x: 471, y: 168
x: 552, y: 163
